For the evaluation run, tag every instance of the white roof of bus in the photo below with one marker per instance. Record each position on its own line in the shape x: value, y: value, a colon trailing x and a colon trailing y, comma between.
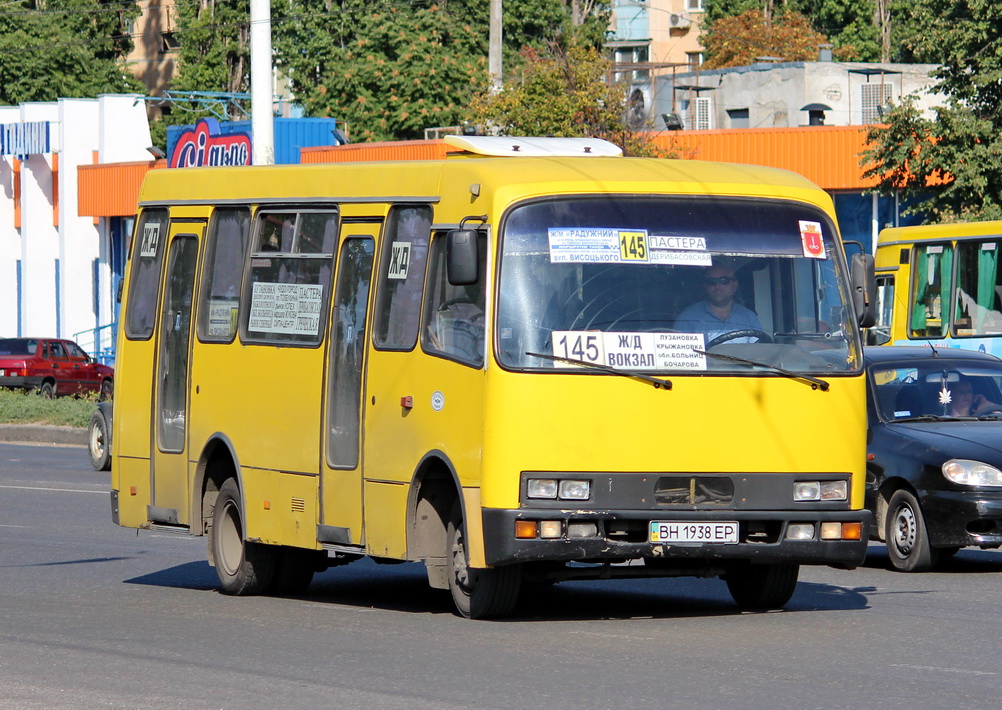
x: 534, y: 147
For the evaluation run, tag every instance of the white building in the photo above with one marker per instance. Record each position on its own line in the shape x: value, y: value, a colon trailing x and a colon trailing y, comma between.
x: 790, y: 94
x: 55, y: 265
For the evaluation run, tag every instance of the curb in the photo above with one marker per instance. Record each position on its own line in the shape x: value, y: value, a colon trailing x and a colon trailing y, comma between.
x: 42, y: 434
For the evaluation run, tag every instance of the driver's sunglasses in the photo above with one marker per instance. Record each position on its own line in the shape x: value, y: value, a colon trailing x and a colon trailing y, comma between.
x: 722, y: 280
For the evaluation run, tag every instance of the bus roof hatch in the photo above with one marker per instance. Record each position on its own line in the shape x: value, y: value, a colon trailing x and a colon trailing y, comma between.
x: 534, y: 147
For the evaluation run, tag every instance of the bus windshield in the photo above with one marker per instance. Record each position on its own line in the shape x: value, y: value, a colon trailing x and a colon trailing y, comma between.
x: 670, y: 284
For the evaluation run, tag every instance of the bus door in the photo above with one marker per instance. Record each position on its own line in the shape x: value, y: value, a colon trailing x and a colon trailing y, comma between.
x: 341, y: 480
x: 170, y: 402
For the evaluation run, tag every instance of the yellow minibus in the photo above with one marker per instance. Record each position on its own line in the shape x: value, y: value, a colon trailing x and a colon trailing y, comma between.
x: 533, y: 361
x: 940, y: 284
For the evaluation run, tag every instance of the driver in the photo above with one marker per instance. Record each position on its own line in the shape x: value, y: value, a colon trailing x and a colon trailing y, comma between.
x: 964, y: 403
x: 717, y: 313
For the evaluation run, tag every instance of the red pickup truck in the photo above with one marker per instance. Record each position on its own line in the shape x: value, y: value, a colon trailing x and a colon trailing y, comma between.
x: 53, y: 367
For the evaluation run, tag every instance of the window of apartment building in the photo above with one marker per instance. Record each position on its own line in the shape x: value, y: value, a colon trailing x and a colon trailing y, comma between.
x: 694, y: 5
x: 694, y: 59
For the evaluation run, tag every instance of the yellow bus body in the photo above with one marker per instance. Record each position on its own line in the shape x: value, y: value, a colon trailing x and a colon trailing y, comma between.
x: 256, y: 411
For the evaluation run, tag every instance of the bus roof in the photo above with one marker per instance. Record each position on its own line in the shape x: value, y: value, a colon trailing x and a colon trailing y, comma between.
x: 922, y: 232
x: 469, y: 179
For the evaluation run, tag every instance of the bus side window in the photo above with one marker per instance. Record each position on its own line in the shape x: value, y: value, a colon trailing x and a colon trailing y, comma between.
x: 932, y: 286
x: 224, y: 265
x: 288, y: 281
x: 151, y: 233
x: 401, y: 277
x: 454, y: 315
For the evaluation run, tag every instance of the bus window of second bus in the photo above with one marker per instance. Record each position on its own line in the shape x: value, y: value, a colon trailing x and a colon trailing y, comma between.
x: 932, y: 278
x: 978, y: 309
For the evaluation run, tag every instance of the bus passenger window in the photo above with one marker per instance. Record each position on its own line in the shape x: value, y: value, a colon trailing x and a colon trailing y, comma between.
x: 289, y: 279
x: 401, y: 277
x: 224, y: 265
x: 454, y: 315
x: 151, y: 233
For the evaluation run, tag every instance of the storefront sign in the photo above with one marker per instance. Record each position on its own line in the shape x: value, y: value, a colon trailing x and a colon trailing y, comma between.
x: 24, y: 139
x: 206, y: 146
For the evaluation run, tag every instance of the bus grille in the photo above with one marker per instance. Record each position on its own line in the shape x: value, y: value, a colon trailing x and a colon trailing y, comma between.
x: 694, y: 490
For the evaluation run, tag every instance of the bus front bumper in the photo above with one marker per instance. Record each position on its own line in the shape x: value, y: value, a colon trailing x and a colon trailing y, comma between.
x: 617, y: 535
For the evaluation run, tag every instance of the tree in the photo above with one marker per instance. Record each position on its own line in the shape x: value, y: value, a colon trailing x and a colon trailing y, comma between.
x: 859, y: 30
x: 951, y: 164
x: 69, y: 48
x: 739, y: 40
x: 563, y: 93
x: 390, y: 70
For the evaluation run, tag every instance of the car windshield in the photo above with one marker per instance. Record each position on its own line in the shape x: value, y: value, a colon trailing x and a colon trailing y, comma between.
x: 674, y: 285
x: 937, y: 389
x: 18, y: 346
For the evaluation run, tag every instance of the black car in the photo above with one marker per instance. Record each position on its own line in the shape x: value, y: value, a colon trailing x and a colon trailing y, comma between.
x: 934, y: 452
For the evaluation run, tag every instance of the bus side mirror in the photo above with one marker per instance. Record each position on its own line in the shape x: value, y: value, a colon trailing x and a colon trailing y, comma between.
x: 462, y: 257
x: 864, y: 289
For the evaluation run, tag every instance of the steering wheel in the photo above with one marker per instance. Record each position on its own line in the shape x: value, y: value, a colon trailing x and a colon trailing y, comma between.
x: 445, y: 305
x: 762, y: 336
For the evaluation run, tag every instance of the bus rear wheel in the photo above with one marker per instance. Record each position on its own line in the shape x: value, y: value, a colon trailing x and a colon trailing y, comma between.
x: 244, y: 568
x: 762, y: 587
x: 478, y: 593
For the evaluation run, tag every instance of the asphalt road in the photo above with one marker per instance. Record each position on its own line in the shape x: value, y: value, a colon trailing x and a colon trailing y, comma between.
x: 95, y: 616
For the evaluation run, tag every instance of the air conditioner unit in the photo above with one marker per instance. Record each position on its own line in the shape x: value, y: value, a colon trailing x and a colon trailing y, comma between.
x: 678, y: 21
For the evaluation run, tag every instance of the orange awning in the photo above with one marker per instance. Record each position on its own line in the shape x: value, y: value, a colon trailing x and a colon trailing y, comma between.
x: 111, y: 189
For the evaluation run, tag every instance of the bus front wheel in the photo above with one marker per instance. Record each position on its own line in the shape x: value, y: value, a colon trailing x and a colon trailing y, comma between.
x: 761, y: 587
x: 478, y: 593
x: 243, y: 567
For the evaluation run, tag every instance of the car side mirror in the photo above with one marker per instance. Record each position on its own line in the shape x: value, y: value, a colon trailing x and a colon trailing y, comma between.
x: 462, y: 258
x: 864, y: 289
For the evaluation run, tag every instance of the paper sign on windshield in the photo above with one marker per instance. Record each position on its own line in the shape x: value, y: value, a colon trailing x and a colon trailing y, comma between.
x: 630, y: 351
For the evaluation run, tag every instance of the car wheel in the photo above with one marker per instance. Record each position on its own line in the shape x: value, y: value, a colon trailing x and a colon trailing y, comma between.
x: 478, y: 593
x: 47, y: 390
x: 107, y: 391
x: 906, y: 535
x: 762, y: 587
x: 97, y: 442
x: 244, y: 568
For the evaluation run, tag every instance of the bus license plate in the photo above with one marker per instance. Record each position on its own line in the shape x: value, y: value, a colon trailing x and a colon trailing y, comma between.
x: 725, y: 533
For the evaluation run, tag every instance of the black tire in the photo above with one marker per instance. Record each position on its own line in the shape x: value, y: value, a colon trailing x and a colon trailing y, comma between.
x: 294, y: 570
x: 478, y: 593
x: 906, y: 535
x: 762, y: 587
x: 107, y: 391
x: 244, y: 568
x: 47, y: 390
x: 98, y: 442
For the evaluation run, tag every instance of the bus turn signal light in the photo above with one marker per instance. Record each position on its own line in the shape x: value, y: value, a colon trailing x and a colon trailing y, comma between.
x: 525, y: 529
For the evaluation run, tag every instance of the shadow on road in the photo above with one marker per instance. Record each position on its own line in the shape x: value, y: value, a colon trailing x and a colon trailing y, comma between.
x: 404, y: 587
x: 970, y: 560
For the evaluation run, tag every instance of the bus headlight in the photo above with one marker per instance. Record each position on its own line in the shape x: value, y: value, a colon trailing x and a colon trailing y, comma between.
x: 541, y: 488
x: 820, y: 490
x: 574, y: 490
x: 553, y: 489
x: 972, y: 473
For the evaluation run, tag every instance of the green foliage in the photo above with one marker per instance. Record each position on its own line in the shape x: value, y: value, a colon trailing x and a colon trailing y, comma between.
x: 564, y: 93
x: 64, y: 49
x: 399, y: 71
x: 953, y: 161
x: 18, y: 407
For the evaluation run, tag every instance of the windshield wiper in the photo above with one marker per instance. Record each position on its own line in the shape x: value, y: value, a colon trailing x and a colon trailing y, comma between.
x: 931, y: 418
x: 658, y: 384
x: 814, y: 382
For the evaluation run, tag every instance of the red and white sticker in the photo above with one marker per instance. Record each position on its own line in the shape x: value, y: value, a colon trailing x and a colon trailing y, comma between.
x: 810, y: 237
